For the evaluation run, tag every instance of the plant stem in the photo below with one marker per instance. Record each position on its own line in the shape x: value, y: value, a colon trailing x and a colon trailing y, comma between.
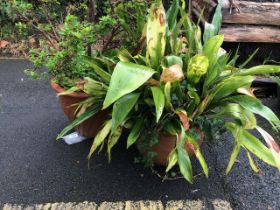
x: 91, y: 19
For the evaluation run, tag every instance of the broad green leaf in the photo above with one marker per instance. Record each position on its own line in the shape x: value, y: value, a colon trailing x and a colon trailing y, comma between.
x: 159, y: 101
x: 253, y: 144
x: 252, y: 163
x: 89, y: 113
x: 199, y: 155
x: 113, y: 139
x: 197, y: 39
x: 254, y: 105
x: 209, y: 31
x: 262, y: 69
x: 217, y: 18
x: 172, y: 160
x: 135, y: 132
x: 94, y: 64
x: 213, y: 29
x: 236, y: 131
x: 214, y: 73
x: 185, y: 164
x: 100, y: 137
x: 126, y: 78
x: 244, y: 116
x: 256, y: 147
x: 167, y: 93
x: 189, y: 29
x: 172, y: 60
x: 229, y: 86
x: 172, y: 14
x: 122, y: 107
x: 175, y: 41
x: 211, y: 49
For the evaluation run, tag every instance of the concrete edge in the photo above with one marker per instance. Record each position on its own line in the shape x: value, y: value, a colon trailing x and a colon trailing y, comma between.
x: 217, y: 204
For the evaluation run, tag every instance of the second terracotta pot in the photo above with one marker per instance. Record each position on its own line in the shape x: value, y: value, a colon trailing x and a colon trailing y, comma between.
x: 88, y: 128
x: 166, y: 143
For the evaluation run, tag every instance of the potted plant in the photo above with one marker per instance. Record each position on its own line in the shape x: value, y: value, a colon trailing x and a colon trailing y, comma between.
x: 64, y: 60
x: 179, y: 91
x: 63, y: 48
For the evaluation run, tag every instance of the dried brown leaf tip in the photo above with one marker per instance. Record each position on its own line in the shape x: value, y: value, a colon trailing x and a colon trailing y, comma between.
x: 246, y: 91
x: 184, y: 119
x: 172, y: 74
x: 272, y: 145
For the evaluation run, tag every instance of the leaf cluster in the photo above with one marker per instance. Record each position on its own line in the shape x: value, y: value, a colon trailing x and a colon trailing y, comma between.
x: 177, y: 83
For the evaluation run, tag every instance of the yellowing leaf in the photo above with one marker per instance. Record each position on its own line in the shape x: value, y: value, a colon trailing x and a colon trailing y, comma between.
x: 172, y: 160
x: 252, y: 163
x: 197, y: 67
x: 113, y: 139
x: 156, y: 32
x: 100, y: 137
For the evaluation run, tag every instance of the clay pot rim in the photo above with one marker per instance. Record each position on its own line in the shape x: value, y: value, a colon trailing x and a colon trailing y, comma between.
x: 58, y: 89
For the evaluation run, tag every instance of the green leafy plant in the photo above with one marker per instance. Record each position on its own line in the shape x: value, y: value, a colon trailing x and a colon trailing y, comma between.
x: 63, y: 58
x: 181, y: 86
x: 63, y: 44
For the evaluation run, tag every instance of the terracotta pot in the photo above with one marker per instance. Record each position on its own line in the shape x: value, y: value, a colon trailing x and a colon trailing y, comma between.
x: 166, y: 144
x: 88, y: 128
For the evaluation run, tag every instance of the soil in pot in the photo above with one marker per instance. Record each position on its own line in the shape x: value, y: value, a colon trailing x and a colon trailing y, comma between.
x: 88, y: 128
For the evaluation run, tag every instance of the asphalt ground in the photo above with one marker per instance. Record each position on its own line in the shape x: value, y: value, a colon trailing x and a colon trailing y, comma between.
x: 35, y: 168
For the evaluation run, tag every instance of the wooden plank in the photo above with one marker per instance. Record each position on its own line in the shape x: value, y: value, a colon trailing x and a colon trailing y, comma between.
x: 265, y: 34
x: 251, y: 5
x: 255, y: 13
x: 250, y: 13
x: 266, y: 18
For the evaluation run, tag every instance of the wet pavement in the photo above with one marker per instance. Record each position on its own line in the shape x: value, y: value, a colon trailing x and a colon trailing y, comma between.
x: 35, y: 168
